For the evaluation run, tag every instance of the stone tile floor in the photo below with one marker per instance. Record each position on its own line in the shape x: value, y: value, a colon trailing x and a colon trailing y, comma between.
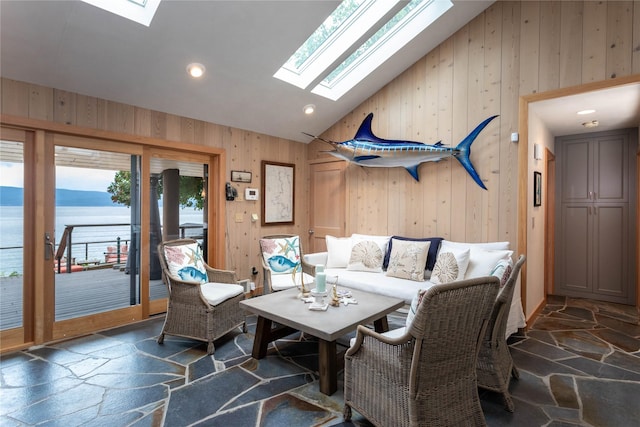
x: 579, y: 365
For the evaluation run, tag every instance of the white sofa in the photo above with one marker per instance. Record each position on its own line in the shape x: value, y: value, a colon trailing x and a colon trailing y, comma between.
x: 340, y: 268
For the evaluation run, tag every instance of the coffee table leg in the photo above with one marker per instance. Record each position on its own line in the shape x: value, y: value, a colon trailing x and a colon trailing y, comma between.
x: 381, y: 325
x: 262, y: 338
x: 328, y: 366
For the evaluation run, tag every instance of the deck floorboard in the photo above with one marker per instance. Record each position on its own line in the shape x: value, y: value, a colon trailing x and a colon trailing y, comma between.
x: 77, y: 294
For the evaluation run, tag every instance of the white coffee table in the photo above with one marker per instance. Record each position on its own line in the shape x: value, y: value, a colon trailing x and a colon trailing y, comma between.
x: 291, y: 314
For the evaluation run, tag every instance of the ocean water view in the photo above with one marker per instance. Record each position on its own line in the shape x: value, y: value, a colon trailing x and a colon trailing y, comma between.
x: 11, y: 231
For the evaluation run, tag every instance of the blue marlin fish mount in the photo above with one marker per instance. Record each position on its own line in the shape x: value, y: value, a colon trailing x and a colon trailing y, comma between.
x: 366, y: 149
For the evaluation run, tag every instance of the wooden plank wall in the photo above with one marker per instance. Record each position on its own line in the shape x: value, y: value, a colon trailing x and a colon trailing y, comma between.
x: 509, y: 50
x: 244, y: 151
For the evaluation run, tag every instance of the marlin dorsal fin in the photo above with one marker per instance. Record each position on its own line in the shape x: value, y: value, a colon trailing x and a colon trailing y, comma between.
x: 364, y: 131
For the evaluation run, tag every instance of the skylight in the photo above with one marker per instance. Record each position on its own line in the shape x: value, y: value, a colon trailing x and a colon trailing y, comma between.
x: 339, y: 34
x: 140, y: 11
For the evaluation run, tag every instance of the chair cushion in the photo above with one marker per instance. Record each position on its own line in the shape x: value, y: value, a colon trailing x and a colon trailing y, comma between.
x: 502, y: 271
x: 282, y: 255
x: 280, y: 282
x: 413, y: 308
x: 408, y: 259
x: 216, y: 293
x: 185, y: 263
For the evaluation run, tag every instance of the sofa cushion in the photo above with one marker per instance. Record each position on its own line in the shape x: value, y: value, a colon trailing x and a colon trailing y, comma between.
x: 433, y: 250
x: 451, y: 265
x: 482, y: 256
x: 282, y: 255
x: 338, y: 251
x: 366, y: 255
x: 375, y: 282
x: 185, y: 263
x: 407, y: 260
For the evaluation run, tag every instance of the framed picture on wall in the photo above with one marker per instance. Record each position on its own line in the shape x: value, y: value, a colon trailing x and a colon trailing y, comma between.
x: 278, y: 202
x: 241, y: 176
x: 537, y: 189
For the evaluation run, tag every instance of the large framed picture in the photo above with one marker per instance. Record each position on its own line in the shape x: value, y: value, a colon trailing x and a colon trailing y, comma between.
x: 537, y: 189
x: 278, y: 186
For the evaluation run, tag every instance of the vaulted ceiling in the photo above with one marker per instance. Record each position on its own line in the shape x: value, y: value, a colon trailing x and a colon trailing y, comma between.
x: 73, y: 46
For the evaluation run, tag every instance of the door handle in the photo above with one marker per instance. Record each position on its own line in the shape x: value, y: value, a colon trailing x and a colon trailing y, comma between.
x: 49, y: 248
x: 311, y: 231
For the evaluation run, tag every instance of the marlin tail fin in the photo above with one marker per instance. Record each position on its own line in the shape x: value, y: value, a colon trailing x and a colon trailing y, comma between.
x: 464, y: 148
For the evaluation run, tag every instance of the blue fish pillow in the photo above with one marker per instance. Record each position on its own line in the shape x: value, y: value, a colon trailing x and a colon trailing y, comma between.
x: 185, y: 263
x: 282, y: 255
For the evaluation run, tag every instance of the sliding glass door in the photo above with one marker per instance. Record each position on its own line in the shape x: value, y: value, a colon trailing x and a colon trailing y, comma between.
x: 15, y: 269
x: 177, y: 209
x: 97, y: 231
x: 82, y: 216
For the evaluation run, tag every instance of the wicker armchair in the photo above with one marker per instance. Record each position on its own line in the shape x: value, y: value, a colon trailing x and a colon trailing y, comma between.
x: 426, y: 377
x: 495, y: 365
x: 198, y: 310
x: 273, y: 278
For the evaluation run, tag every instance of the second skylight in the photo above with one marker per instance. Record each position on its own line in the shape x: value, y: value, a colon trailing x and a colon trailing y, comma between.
x: 339, y: 33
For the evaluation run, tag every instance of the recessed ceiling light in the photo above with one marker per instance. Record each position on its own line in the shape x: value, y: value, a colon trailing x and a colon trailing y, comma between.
x: 591, y: 124
x: 195, y: 70
x: 309, y: 109
x: 583, y: 112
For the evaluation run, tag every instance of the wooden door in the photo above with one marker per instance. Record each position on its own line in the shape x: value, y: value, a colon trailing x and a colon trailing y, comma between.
x: 327, y: 203
x: 595, y: 255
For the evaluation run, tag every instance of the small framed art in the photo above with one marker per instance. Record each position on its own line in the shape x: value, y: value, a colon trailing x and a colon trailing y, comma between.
x: 537, y: 189
x: 241, y: 176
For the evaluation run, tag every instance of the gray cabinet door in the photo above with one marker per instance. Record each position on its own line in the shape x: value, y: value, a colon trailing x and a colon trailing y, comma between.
x: 595, y: 238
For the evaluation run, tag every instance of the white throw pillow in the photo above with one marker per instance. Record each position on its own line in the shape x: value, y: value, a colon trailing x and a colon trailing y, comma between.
x: 446, y: 244
x: 451, y: 265
x: 366, y: 256
x: 483, y: 256
x: 185, y: 263
x: 407, y: 259
x: 338, y: 251
x: 482, y: 261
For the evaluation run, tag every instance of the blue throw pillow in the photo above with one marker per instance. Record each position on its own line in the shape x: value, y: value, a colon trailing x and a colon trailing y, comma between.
x: 433, y: 250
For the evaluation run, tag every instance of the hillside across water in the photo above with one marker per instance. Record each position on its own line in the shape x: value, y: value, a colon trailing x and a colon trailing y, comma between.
x: 13, y: 196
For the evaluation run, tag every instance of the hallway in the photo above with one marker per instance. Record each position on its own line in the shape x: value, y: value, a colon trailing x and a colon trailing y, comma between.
x: 579, y: 365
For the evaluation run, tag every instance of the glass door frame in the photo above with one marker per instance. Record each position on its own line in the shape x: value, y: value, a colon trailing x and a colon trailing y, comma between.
x: 39, y: 325
x: 23, y: 335
x: 215, y: 210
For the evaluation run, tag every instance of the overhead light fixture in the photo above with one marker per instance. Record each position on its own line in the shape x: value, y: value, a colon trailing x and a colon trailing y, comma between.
x: 309, y: 109
x: 591, y: 124
x: 195, y: 70
x: 583, y: 112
